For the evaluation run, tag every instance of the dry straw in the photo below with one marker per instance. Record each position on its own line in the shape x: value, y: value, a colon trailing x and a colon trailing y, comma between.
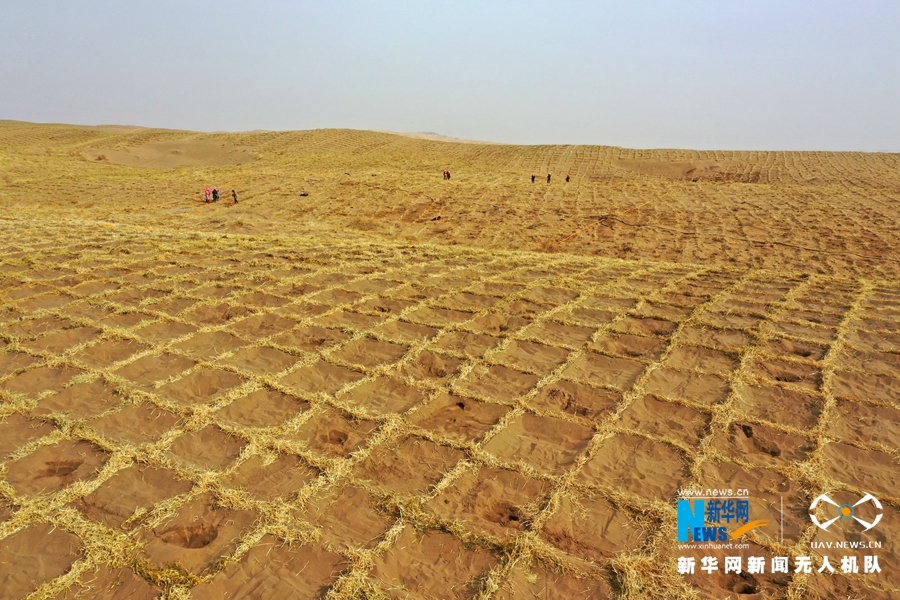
x: 369, y: 291
x: 706, y: 295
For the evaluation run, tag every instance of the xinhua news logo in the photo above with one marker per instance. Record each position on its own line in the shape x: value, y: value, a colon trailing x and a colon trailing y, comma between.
x: 845, y: 511
x: 709, y: 520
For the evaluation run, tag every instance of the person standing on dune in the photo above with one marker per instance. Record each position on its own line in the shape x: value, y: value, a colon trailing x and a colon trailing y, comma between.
x: 234, y: 195
x: 548, y: 177
x: 216, y: 194
x: 532, y: 178
x: 207, y: 193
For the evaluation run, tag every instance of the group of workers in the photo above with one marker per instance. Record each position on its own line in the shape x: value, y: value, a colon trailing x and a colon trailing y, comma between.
x: 533, y: 176
x: 213, y: 195
x: 568, y: 177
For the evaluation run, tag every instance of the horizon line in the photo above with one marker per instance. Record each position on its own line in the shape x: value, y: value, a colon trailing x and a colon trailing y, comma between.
x: 431, y: 136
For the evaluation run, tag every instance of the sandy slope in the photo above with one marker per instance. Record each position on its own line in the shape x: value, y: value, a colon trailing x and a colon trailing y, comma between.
x: 169, y: 155
x: 334, y: 394
x: 814, y: 212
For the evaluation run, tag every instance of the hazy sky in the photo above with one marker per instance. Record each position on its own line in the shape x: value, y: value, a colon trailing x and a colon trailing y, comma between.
x: 724, y: 74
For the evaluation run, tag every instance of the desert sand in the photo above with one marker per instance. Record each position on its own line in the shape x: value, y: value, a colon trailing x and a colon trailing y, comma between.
x: 328, y: 391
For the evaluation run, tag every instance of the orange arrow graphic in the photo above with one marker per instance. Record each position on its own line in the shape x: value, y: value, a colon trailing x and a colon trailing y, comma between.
x: 749, y: 526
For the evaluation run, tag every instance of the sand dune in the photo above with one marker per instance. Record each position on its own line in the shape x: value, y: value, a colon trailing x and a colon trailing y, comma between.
x: 334, y: 394
x: 813, y: 212
x: 169, y: 155
x: 671, y: 169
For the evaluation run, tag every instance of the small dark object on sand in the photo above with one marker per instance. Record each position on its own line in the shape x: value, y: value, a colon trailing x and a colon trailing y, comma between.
x: 304, y: 193
x: 437, y: 218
